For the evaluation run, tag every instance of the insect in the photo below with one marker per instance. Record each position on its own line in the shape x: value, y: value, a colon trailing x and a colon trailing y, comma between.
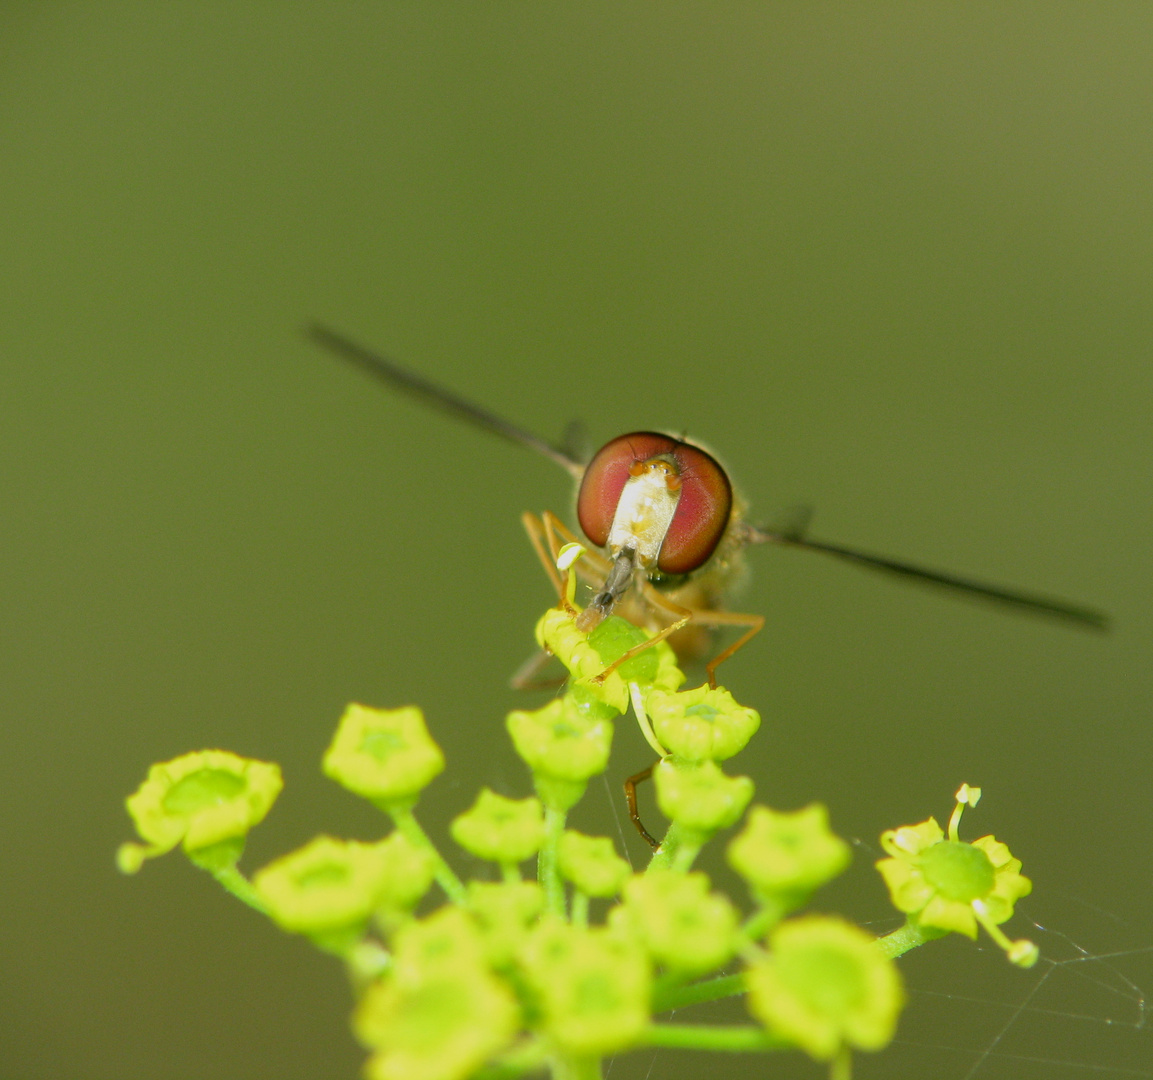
x: 669, y: 529
x: 670, y: 534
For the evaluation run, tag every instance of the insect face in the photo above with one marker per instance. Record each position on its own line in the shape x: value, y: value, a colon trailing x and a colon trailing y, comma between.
x: 667, y: 499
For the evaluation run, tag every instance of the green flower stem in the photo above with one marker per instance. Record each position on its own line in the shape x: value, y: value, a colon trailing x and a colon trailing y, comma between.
x: 679, y: 997
x: 526, y: 1057
x: 240, y: 887
x: 510, y: 873
x: 580, y: 908
x: 547, y: 873
x: 576, y: 1068
x: 663, y: 859
x: 407, y: 824
x: 366, y: 961
x: 668, y: 982
x: 907, y: 937
x: 678, y: 850
x: 763, y: 919
x: 685, y: 856
x: 734, y: 1039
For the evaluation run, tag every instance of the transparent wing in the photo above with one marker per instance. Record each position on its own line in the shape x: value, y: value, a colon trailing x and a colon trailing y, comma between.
x: 1023, y: 601
x: 439, y: 397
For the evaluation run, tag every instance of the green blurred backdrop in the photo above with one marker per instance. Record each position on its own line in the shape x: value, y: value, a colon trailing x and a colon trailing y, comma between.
x: 892, y: 260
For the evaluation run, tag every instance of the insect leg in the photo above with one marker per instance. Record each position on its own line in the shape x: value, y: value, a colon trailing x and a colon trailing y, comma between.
x: 755, y: 624
x: 541, y: 540
x: 683, y: 615
x: 631, y: 799
x: 529, y: 675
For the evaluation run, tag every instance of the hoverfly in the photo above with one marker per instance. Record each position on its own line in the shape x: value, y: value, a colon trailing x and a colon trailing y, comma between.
x: 668, y: 528
x: 669, y: 533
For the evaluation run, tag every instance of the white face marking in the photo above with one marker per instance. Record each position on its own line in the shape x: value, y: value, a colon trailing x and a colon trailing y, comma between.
x: 644, y: 512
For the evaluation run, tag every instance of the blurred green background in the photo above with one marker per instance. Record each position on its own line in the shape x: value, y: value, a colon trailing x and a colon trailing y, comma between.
x: 891, y: 260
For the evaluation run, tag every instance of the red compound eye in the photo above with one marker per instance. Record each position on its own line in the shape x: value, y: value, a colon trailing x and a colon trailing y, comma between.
x: 702, y: 511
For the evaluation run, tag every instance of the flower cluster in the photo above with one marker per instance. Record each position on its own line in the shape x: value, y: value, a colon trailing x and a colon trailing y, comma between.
x: 522, y: 974
x: 692, y: 730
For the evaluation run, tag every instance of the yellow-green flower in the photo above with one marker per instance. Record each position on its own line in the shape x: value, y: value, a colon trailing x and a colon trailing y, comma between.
x: 449, y: 936
x: 669, y: 676
x: 654, y: 666
x: 559, y: 741
x: 591, y: 864
x: 506, y: 831
x: 504, y: 910
x: 557, y: 632
x: 685, y: 927
x: 592, y: 986
x: 385, y: 755
x: 613, y: 637
x: 409, y: 873
x: 324, y: 887
x: 443, y: 1026
x: 946, y: 884
x: 704, y: 724
x: 206, y: 800
x: 439, y: 1013
x: 700, y: 798
x: 787, y: 856
x: 825, y: 986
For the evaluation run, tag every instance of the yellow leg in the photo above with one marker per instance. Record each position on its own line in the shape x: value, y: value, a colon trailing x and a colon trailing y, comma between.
x: 539, y: 538
x: 706, y: 617
x: 755, y: 624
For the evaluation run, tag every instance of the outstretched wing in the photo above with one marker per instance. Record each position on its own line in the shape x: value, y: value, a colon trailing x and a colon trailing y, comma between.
x: 1023, y: 601
x: 430, y: 393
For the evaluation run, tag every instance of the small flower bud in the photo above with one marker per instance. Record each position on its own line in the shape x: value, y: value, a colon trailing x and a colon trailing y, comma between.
x: 684, y: 926
x: 505, y: 831
x: 700, y: 797
x: 558, y: 633
x: 825, y: 985
x: 788, y: 855
x: 326, y: 887
x: 559, y: 742
x: 593, y: 986
x: 504, y: 910
x: 701, y: 725
x: 409, y: 873
x: 591, y: 864
x: 439, y: 1013
x: 385, y: 755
